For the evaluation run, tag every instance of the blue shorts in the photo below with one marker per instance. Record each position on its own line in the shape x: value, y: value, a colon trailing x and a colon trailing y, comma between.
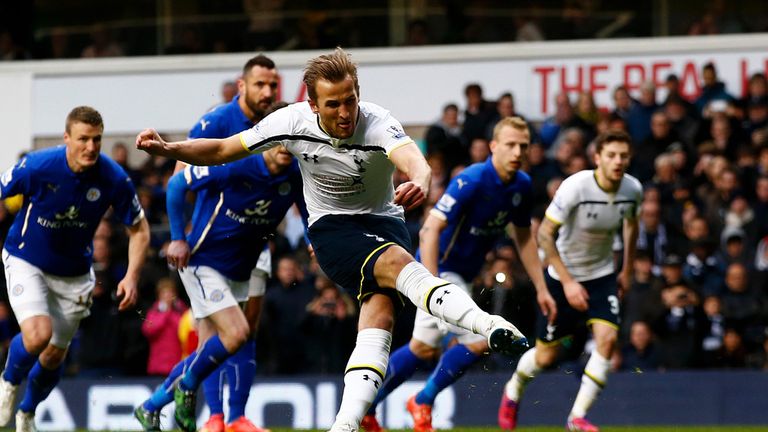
x: 603, y: 307
x: 347, y: 246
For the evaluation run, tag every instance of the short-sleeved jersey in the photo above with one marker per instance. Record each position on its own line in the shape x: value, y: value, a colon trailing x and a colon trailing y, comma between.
x: 62, y: 209
x: 243, y: 205
x: 341, y: 176
x: 589, y: 218
x: 477, y: 206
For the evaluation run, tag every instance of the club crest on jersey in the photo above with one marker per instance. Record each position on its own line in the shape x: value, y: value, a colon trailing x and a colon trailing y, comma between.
x: 17, y: 290
x: 284, y: 189
x: 93, y: 194
x: 516, y: 198
x: 216, y: 295
x: 396, y: 132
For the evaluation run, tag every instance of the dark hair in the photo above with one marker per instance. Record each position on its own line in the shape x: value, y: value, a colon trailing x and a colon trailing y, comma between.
x: 334, y: 67
x: 83, y: 114
x: 612, y: 135
x: 259, y: 60
x: 451, y: 106
x: 709, y: 66
x: 473, y: 87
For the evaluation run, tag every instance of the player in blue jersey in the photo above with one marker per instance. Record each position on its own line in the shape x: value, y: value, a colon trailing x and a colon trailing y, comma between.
x: 244, y: 203
x: 48, y: 254
x: 347, y: 152
x: 577, y: 237
x: 257, y: 90
x: 478, y: 207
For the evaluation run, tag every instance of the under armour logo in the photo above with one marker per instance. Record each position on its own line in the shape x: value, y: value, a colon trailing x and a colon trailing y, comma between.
x: 204, y: 124
x: 378, y: 239
x: 368, y: 378
x: 359, y: 163
x: 307, y: 157
x: 591, y: 215
x: 440, y: 299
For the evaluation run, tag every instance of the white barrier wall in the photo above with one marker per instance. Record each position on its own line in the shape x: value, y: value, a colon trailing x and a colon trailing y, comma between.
x: 170, y: 93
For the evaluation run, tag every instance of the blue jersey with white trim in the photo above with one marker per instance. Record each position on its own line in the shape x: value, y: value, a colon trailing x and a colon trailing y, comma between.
x: 62, y: 209
x: 477, y: 206
x: 241, y: 210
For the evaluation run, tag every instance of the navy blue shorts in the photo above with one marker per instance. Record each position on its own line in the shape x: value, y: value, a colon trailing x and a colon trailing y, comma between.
x: 347, y: 246
x: 603, y: 307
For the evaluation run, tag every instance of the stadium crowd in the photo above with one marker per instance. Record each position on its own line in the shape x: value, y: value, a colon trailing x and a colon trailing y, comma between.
x: 699, y: 298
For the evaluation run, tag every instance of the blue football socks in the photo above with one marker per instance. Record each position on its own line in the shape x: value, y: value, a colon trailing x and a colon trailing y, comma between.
x: 19, y: 361
x: 208, y: 359
x: 241, y: 369
x: 41, y: 382
x: 212, y: 388
x: 451, y: 367
x: 164, y: 394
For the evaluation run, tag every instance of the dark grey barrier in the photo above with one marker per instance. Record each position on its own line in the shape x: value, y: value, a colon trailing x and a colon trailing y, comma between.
x: 679, y: 398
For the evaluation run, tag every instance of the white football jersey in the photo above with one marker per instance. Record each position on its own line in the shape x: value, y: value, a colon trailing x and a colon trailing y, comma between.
x: 341, y: 176
x: 589, y: 218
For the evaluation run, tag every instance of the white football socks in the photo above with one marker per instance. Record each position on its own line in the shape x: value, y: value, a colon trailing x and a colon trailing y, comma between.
x: 443, y: 299
x: 526, y: 371
x: 364, y: 375
x: 592, y: 382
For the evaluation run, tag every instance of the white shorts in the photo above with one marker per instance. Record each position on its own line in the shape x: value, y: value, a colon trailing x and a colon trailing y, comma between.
x: 209, y: 291
x: 33, y: 292
x: 431, y: 330
x: 263, y: 270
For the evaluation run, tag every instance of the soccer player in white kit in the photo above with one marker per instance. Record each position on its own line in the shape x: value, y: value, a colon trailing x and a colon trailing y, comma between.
x: 585, y: 214
x: 347, y: 151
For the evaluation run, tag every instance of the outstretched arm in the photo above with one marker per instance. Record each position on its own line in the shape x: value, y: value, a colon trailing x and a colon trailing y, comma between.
x: 409, y: 160
x: 201, y: 151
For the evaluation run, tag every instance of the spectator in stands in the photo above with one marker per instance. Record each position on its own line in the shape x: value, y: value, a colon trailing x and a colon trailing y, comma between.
x: 445, y: 137
x: 680, y: 327
x: 652, y: 235
x: 102, y: 44
x: 586, y: 108
x: 712, y: 90
x: 682, y: 119
x: 639, y: 117
x: 743, y: 306
x: 330, y: 325
x: 641, y: 302
x: 646, y: 151
x: 640, y: 354
x: 703, y: 268
x: 418, y: 33
x: 714, y: 330
x: 477, y: 114
x: 563, y: 120
x: 160, y: 327
x: 733, y: 246
x: 228, y: 91
x: 622, y: 102
x: 285, y: 305
x: 479, y: 150
x: 760, y: 206
x: 505, y: 107
x: 733, y: 353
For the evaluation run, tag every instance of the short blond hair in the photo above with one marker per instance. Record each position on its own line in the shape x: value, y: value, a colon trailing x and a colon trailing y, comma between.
x: 513, y: 122
x: 334, y: 67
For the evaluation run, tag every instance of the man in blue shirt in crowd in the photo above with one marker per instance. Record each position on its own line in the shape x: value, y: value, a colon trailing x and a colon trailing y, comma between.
x: 48, y: 254
x: 243, y: 204
x: 257, y: 91
x: 468, y: 220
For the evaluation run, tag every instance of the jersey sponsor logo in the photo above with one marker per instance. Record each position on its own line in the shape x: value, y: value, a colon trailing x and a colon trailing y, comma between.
x: 374, y: 236
x: 7, y: 176
x: 70, y: 214
x: 204, y: 124
x: 93, y: 194
x: 396, y: 132
x: 338, y: 187
x: 446, y: 203
x: 17, y: 290
x: 284, y: 188
x: 261, y: 208
x: 516, y: 199
x: 501, y: 219
x: 200, y: 171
